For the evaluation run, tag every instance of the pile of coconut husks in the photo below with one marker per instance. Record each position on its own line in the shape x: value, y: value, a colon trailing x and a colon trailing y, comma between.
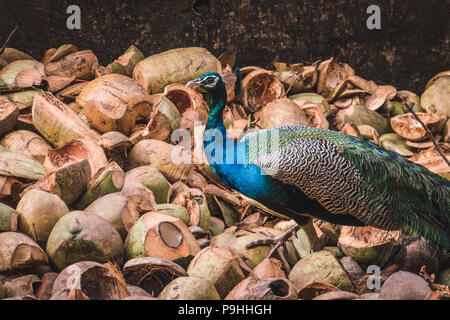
x: 92, y: 205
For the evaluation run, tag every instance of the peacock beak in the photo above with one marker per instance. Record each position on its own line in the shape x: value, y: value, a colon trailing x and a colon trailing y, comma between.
x: 194, y: 83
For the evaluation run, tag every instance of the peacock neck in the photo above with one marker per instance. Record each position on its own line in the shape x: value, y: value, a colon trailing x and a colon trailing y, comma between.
x: 215, y: 119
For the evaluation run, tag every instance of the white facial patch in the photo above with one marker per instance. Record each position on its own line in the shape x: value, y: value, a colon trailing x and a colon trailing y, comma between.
x: 212, y: 84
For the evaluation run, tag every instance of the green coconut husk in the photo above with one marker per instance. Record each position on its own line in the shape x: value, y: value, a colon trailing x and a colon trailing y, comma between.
x: 39, y: 211
x: 82, y: 236
x: 310, y: 97
x: 394, y: 142
x: 11, y: 55
x: 8, y: 218
x: 21, y: 74
x: 222, y: 240
x: 80, y: 64
x: 219, y: 266
x: 15, y: 164
x: 436, y: 99
x: 359, y: 115
x: 129, y: 59
x: 9, y: 113
x: 174, y: 211
x: 152, y: 179
x: 189, y: 288
x: 251, y: 257
x: 323, y: 267
x: 216, y: 226
x: 27, y: 143
x: 107, y: 180
x: 174, y: 66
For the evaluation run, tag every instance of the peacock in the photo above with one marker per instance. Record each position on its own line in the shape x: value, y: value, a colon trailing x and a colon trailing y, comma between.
x: 301, y: 172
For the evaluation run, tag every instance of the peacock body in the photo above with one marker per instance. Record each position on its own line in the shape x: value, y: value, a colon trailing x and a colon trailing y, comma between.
x: 302, y: 172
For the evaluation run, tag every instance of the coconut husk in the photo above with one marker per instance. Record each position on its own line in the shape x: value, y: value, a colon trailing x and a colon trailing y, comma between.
x: 27, y: 143
x: 174, y: 66
x: 359, y: 115
x: 393, y: 142
x: 45, y: 290
x: 430, y: 159
x: 13, y: 164
x: 70, y: 93
x: 80, y: 65
x: 189, y: 288
x: 57, y: 83
x: 408, y: 127
x: 281, y: 112
x: 10, y: 55
x: 9, y: 113
x: 152, y: 179
x: 57, y: 123
x: 23, y: 99
x: 21, y: 74
x: 116, y: 146
x: 8, y: 218
x: 185, y: 98
x: 267, y: 289
x: 423, y: 144
x: 259, y: 88
x: 332, y: 73
x: 379, y: 97
x: 227, y: 58
x: 53, y: 54
x: 195, y: 202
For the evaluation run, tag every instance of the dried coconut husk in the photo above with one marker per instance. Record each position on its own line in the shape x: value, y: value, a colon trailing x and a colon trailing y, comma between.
x: 267, y: 289
x: 185, y: 98
x: 28, y: 143
x: 23, y: 99
x: 19, y: 252
x: 310, y: 98
x: 174, y: 66
x: 114, y: 103
x: 195, y: 202
x: 80, y: 64
x: 393, y: 142
x: 432, y: 160
x: 408, y: 127
x: 39, y: 211
x: 368, y: 133
x: 227, y: 58
x: 126, y: 62
x: 175, y: 211
x: 379, y: 97
x: 216, y: 226
x: 159, y: 155
x: 446, y: 132
x: 74, y: 151
x: 8, y: 218
x: 44, y: 292
x: 21, y: 74
x: 369, y: 245
x: 13, y: 164
x: 152, y: 179
x: 152, y: 274
x: 281, y: 112
x: 70, y: 93
x: 9, y: 113
x: 249, y: 258
x: 22, y: 286
x: 436, y: 97
x: 116, y: 146
x: 25, y: 122
x: 107, y: 180
x: 68, y: 180
x: 163, y: 120
x: 196, y: 180
x: 57, y: 83
x: 345, y: 103
x: 423, y: 144
x: 162, y: 236
x: 10, y: 190
x: 53, y: 54
x: 94, y: 280
x: 10, y: 55
x: 219, y: 266
x: 192, y: 121
x: 332, y: 73
x: 229, y: 78
x: 316, y: 116
x: 259, y: 88
x: 359, y: 115
x: 316, y: 289
x: 404, y: 285
x: 269, y: 268
x: 81, y: 236
x: 57, y: 123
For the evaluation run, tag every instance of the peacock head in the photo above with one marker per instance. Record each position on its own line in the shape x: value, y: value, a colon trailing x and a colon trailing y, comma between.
x: 212, y: 82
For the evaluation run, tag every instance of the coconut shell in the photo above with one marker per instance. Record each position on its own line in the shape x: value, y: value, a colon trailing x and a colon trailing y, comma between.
x: 80, y: 236
x: 21, y: 74
x: 309, y: 98
x: 10, y: 55
x: 359, y: 115
x: 57, y: 123
x: 444, y: 277
x: 174, y: 66
x: 269, y: 268
x: 9, y: 113
x: 259, y: 88
x: 352, y: 268
x: 222, y: 240
x: 369, y: 245
x: 80, y: 65
x: 28, y: 143
x: 45, y: 289
x: 219, y: 266
x: 185, y: 98
x: 216, y: 226
x: 151, y: 274
x: 195, y: 202
x: 22, y: 286
x: 337, y: 295
x: 189, y: 288
x: 321, y: 266
x: 129, y: 59
x: 159, y: 155
x: 162, y: 236
x: 151, y: 178
x: 432, y: 160
x: 267, y: 289
x: 19, y: 252
x: 281, y: 112
x: 39, y: 211
x: 175, y: 211
x: 409, y: 128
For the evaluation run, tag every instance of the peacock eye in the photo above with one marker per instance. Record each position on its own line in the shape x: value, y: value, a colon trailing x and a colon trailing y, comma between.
x: 209, y: 80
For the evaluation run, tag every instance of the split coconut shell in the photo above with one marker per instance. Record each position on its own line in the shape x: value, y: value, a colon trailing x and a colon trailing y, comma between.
x: 28, y: 143
x: 21, y: 74
x: 281, y: 112
x: 267, y: 289
x: 189, y: 288
x: 406, y: 126
x: 80, y: 65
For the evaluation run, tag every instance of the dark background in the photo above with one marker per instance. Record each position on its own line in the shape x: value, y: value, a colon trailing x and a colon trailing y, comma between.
x: 412, y: 45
